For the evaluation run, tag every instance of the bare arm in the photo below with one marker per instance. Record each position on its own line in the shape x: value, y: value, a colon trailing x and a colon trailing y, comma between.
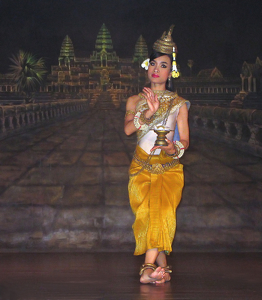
x: 129, y: 126
x: 182, y: 124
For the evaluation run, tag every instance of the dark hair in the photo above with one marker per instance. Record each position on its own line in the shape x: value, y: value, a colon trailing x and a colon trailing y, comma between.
x: 155, y: 54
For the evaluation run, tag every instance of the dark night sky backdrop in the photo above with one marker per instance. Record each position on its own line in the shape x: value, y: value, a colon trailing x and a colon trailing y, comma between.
x: 222, y: 33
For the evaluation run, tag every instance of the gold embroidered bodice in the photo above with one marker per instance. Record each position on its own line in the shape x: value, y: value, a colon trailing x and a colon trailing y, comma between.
x: 165, y: 98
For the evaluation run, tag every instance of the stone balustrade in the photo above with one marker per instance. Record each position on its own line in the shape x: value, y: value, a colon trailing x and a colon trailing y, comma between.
x: 240, y: 128
x: 13, y: 117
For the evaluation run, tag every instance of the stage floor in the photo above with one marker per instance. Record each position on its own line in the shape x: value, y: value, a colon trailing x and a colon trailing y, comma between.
x: 114, y: 276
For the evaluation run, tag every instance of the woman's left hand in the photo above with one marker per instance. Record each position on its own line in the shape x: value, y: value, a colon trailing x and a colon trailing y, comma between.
x: 169, y: 149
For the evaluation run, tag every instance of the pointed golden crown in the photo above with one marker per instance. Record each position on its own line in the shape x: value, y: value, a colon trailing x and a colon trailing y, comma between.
x: 165, y: 44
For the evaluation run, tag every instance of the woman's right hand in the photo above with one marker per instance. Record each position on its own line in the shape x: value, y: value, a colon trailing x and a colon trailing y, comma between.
x: 152, y: 101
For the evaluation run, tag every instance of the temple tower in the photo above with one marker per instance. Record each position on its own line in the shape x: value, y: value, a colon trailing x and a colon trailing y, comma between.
x: 141, y: 51
x: 67, y: 53
x: 103, y: 40
x: 104, y: 56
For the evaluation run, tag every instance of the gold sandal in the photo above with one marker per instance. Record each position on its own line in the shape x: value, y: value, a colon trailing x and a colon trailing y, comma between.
x: 147, y: 266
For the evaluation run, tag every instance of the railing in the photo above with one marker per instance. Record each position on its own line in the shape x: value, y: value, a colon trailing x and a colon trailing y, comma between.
x: 14, y: 117
x: 240, y: 128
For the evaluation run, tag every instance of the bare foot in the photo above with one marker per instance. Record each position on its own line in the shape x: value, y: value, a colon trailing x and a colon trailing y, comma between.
x: 166, y: 278
x: 150, y: 276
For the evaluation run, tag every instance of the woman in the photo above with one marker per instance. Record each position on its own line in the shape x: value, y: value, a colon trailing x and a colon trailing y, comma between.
x: 156, y: 177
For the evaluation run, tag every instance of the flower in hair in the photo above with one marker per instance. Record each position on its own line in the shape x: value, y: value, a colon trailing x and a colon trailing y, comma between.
x: 145, y: 64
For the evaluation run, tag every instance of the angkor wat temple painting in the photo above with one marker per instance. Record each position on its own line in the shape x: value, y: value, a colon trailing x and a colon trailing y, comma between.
x: 107, y: 80
x: 64, y: 157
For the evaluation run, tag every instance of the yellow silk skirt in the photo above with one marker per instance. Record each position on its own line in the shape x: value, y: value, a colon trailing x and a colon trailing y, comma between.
x: 154, y: 199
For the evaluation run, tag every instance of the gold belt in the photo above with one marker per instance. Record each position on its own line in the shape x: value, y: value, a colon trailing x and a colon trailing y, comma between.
x: 154, y: 168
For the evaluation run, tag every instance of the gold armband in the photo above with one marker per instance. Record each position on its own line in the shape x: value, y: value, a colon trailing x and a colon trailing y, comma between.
x: 130, y: 112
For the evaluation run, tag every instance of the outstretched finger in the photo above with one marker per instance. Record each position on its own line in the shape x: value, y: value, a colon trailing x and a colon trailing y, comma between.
x: 154, y: 148
x: 148, y: 96
x: 148, y: 91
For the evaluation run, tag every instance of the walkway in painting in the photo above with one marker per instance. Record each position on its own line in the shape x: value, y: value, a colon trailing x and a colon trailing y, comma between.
x: 63, y: 186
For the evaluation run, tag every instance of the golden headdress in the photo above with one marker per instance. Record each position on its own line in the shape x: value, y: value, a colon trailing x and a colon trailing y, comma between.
x: 165, y: 45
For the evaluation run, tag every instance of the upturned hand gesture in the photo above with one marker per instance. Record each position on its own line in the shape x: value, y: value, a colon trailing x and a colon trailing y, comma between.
x: 152, y: 101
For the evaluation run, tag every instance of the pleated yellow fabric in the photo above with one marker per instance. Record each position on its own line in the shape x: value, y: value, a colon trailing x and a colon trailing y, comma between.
x: 154, y: 199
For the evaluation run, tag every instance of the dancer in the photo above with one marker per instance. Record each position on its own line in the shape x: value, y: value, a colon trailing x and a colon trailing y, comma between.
x: 156, y: 176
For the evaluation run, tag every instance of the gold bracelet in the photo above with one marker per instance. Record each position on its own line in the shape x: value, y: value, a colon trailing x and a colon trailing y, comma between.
x: 174, y: 154
x: 179, y: 150
x: 136, y: 122
x: 180, y: 147
x: 146, y: 120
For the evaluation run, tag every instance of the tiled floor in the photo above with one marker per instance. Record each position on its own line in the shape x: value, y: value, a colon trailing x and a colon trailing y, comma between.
x: 70, y: 176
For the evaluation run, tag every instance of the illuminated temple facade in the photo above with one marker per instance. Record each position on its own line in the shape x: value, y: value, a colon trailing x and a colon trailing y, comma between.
x: 107, y: 80
x: 102, y: 75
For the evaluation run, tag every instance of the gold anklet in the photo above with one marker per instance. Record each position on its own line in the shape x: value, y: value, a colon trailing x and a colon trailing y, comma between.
x: 147, y: 266
x: 168, y: 269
